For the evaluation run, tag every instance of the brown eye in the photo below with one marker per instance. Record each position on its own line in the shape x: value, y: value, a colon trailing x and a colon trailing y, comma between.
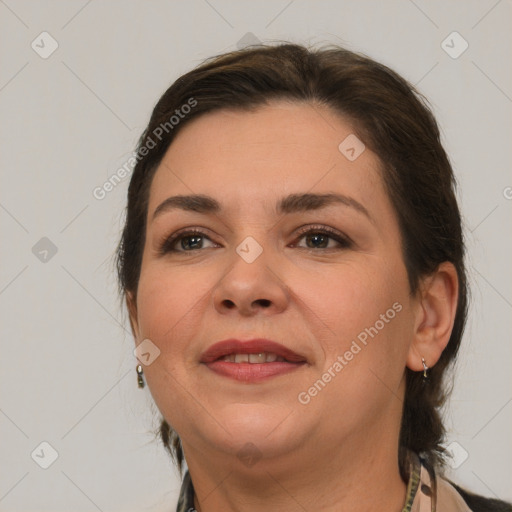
x: 320, y: 237
x: 187, y: 241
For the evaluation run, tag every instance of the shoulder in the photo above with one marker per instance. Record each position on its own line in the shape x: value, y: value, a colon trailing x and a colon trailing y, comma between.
x: 478, y: 503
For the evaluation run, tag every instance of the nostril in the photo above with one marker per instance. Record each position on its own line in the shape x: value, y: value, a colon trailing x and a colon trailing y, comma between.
x: 229, y: 304
x: 264, y: 302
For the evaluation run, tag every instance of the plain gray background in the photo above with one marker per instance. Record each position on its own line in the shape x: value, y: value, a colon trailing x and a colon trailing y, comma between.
x: 70, y: 120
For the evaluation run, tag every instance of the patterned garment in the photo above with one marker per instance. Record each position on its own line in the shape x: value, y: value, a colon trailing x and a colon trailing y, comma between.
x: 425, y: 492
x: 428, y: 493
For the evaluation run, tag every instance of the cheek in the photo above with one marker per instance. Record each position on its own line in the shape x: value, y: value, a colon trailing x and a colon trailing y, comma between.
x: 370, y: 319
x: 167, y: 301
x: 169, y: 304
x: 353, y: 296
x: 367, y: 308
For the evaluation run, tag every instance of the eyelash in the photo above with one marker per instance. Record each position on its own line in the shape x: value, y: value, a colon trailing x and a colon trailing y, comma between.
x: 345, y: 242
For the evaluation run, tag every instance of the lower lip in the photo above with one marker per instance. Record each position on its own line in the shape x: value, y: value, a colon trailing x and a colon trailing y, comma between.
x: 252, y: 372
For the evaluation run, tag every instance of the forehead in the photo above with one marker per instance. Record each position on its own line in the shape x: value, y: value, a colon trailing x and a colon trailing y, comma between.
x: 257, y: 156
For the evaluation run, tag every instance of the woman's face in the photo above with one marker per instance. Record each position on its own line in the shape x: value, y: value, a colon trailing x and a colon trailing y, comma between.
x: 339, y: 299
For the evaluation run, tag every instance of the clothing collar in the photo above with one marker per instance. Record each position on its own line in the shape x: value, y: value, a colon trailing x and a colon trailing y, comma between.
x: 186, y: 498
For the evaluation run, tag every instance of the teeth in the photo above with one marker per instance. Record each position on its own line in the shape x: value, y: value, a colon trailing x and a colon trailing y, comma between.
x: 271, y: 357
x: 262, y: 357
x: 257, y: 358
x: 241, y: 358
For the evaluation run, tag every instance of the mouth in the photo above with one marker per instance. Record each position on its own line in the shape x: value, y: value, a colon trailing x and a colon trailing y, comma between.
x: 257, y: 358
x: 252, y: 351
x: 252, y: 360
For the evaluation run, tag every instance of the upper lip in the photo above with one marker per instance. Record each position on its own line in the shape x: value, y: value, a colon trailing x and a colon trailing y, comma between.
x: 254, y: 346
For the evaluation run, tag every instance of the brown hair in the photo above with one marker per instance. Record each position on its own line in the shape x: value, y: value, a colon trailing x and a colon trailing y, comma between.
x: 392, y: 119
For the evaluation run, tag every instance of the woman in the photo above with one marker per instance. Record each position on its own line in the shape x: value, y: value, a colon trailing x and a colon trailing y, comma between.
x: 293, y: 267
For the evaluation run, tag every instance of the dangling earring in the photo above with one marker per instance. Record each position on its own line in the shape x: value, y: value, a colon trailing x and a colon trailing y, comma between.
x: 140, y: 373
x: 425, y: 370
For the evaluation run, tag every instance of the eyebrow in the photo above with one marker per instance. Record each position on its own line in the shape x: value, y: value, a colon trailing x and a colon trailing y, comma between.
x: 290, y: 204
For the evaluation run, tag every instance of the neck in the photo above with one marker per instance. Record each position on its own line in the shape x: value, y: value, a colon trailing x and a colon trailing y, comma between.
x: 354, y: 477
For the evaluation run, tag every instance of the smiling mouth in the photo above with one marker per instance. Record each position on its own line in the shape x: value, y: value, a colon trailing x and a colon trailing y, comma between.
x: 252, y: 368
x: 256, y: 351
x: 261, y: 357
x: 251, y: 361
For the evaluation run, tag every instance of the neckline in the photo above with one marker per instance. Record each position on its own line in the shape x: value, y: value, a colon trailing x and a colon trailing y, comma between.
x: 421, y: 487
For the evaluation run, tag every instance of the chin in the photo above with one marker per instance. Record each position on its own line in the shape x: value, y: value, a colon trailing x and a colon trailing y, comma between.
x: 265, y: 426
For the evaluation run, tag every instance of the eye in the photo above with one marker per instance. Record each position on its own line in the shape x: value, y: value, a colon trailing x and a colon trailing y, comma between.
x: 318, y: 238
x: 190, y: 240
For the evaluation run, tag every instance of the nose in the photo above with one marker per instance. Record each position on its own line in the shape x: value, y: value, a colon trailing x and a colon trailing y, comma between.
x: 253, y: 288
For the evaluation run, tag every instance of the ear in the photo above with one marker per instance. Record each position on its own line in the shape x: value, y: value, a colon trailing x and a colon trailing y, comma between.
x: 131, y: 304
x: 435, y: 315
